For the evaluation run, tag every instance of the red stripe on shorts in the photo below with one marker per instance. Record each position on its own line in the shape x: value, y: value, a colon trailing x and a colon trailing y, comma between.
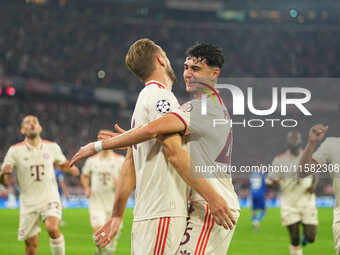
x: 206, y: 242
x: 161, y: 239
x: 199, y: 239
x: 166, y: 234
x: 159, y: 227
x: 205, y: 234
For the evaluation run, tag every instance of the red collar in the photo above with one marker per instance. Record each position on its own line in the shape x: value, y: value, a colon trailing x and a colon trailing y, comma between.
x: 160, y: 85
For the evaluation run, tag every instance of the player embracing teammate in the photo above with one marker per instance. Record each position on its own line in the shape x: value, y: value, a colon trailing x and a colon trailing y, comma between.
x: 161, y: 194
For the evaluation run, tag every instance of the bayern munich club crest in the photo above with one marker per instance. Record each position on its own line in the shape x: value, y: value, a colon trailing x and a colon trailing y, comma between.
x: 163, y: 106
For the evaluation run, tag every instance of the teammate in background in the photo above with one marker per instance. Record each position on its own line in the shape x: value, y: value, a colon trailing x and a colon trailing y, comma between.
x: 297, y: 195
x: 102, y: 171
x: 258, y: 190
x: 207, y: 148
x: 325, y: 157
x: 34, y: 161
x: 164, y: 203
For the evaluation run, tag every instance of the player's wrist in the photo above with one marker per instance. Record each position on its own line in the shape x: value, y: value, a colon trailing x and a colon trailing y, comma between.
x: 98, y: 146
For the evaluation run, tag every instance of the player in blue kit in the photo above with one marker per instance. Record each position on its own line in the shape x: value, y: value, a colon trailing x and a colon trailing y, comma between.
x: 258, y: 190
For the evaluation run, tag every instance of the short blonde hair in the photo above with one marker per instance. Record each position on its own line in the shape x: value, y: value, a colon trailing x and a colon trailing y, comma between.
x: 140, y: 58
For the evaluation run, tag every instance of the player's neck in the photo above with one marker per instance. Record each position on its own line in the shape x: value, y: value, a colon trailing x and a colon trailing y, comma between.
x: 34, y: 142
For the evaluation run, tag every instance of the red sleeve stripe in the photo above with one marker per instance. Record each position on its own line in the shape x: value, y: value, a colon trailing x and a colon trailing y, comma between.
x: 184, y: 122
x: 203, y: 230
x: 166, y: 235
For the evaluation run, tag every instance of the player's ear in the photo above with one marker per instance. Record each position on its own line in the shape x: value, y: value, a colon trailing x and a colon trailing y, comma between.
x: 160, y: 59
x: 216, y: 72
x: 22, y: 131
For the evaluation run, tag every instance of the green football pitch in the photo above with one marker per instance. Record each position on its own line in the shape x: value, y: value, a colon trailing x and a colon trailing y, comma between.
x: 270, y: 239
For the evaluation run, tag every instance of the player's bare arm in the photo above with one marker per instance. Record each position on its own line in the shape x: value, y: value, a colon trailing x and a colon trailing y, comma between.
x: 167, y: 124
x: 67, y: 168
x: 4, y: 173
x: 316, y: 134
x: 85, y: 182
x: 181, y: 161
x: 125, y: 185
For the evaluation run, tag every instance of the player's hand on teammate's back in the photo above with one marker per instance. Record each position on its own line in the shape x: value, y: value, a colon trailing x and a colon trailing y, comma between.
x: 222, y: 212
x: 108, y: 232
x: 84, y: 152
x: 317, y: 133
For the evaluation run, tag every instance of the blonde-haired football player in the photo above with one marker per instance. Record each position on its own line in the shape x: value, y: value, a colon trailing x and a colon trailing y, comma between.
x: 161, y: 191
x: 99, y: 179
x: 34, y: 160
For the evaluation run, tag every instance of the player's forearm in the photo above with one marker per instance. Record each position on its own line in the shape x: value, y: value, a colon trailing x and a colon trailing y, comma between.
x: 165, y: 125
x: 180, y: 159
x: 85, y: 181
x: 125, y: 185
x: 306, y: 159
x: 65, y: 167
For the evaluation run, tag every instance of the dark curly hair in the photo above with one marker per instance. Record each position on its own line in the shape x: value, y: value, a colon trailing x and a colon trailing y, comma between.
x: 210, y: 53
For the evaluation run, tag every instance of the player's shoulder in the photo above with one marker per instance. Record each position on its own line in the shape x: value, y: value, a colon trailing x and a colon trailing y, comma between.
x: 330, y: 141
x: 48, y: 142
x: 281, y: 155
x: 20, y: 144
x: 17, y: 146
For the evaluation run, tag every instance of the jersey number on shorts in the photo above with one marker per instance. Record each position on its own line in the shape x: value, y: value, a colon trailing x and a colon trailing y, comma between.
x: 37, y: 171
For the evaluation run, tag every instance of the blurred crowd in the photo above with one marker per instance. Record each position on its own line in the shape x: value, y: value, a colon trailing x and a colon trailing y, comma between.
x: 74, y: 44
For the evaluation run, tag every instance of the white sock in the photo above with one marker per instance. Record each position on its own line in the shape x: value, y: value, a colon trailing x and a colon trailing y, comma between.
x: 58, y: 245
x: 295, y: 250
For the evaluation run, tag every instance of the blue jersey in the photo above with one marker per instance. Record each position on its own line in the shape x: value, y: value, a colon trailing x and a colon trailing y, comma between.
x: 60, y: 178
x: 257, y: 184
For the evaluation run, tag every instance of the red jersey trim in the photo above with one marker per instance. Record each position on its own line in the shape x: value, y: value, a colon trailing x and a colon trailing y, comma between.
x: 160, y: 85
x: 184, y: 122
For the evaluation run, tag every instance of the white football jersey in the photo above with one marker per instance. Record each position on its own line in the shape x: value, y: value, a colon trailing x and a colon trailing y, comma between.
x: 329, y: 153
x: 160, y: 191
x: 35, y: 172
x: 102, y: 172
x: 210, y: 145
x: 293, y: 189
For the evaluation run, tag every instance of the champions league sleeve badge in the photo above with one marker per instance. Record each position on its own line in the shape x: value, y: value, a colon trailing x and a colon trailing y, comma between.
x: 163, y: 106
